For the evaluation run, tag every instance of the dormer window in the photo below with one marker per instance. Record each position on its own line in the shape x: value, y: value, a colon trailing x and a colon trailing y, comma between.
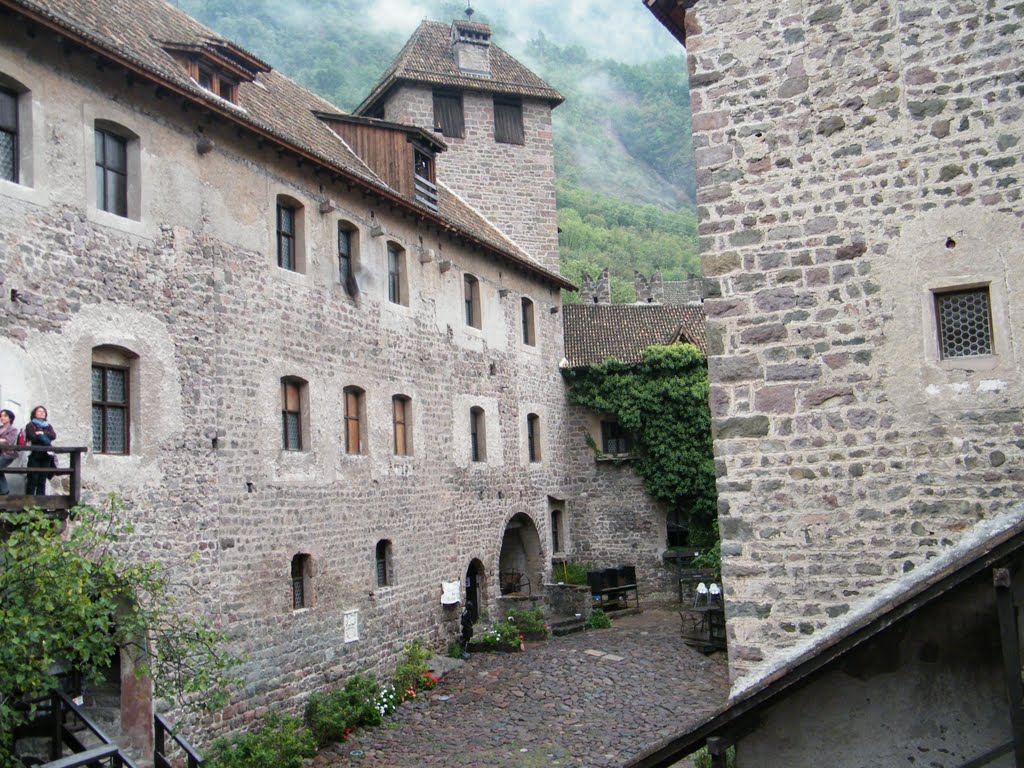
x: 217, y: 66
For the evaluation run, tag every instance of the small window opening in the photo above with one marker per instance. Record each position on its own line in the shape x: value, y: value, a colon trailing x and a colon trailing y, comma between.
x: 533, y: 436
x: 964, y: 323
x: 302, y: 593
x: 477, y: 434
x: 383, y: 561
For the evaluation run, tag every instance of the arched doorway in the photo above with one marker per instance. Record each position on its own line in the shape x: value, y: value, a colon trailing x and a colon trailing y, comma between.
x: 520, y: 564
x: 475, y: 588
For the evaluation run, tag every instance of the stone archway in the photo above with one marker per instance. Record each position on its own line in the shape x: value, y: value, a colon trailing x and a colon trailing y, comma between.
x: 521, y: 562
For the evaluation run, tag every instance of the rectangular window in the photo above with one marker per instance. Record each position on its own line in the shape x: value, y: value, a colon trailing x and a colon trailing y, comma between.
x: 286, y: 237
x: 677, y: 533
x: 529, y: 325
x: 477, y: 435
x: 396, y: 256
x: 448, y: 114
x: 345, y: 274
x: 300, y: 582
x: 8, y: 135
x: 111, y: 173
x: 353, y: 420
x: 471, y: 293
x: 508, y: 121
x: 291, y: 415
x: 533, y: 436
x: 614, y: 439
x: 965, y: 323
x: 400, y: 408
x: 109, y: 409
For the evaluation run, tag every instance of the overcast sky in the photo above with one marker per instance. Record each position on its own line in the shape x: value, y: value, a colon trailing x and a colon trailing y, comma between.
x: 623, y: 30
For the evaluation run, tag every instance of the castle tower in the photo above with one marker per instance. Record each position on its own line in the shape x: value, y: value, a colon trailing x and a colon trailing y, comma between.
x: 495, y: 116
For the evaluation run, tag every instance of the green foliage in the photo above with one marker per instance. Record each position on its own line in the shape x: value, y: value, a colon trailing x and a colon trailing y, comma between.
x: 454, y: 650
x: 702, y: 758
x: 572, y: 573
x: 711, y: 557
x: 598, y: 619
x: 280, y: 742
x: 663, y: 401
x: 413, y: 674
x: 501, y: 634
x: 529, y: 622
x: 72, y: 598
x: 332, y: 716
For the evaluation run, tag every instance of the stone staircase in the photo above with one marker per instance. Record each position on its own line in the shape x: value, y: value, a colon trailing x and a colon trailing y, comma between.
x: 567, y: 625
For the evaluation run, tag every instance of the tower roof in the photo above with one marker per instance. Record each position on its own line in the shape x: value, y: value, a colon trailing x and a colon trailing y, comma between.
x: 429, y: 58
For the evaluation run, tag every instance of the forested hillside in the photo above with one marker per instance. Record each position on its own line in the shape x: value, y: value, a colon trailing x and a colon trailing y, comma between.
x: 622, y: 138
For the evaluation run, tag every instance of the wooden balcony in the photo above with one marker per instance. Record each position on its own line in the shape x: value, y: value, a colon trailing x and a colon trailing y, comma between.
x: 59, y: 504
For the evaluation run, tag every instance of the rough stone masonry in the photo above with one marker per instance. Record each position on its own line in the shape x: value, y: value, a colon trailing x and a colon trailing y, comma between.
x: 857, y: 162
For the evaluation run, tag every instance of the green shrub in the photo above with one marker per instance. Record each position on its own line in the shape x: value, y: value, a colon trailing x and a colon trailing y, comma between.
x: 702, y: 759
x: 598, y: 619
x: 529, y: 623
x: 413, y: 674
x: 454, y: 650
x: 332, y: 716
x: 502, y: 634
x: 280, y: 742
x: 572, y: 573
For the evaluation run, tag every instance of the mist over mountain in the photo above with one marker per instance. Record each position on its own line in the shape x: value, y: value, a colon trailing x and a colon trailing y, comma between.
x: 622, y: 137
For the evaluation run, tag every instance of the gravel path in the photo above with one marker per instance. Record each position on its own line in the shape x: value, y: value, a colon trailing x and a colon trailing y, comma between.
x: 586, y: 700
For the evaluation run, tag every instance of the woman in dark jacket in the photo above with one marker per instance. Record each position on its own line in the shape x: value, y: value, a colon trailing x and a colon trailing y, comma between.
x: 39, y: 432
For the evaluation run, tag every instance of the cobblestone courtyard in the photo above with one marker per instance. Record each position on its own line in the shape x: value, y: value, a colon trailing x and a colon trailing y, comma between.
x: 586, y: 700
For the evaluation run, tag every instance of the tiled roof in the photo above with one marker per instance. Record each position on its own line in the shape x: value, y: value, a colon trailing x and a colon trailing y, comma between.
x: 134, y: 32
x: 596, y: 332
x: 427, y: 58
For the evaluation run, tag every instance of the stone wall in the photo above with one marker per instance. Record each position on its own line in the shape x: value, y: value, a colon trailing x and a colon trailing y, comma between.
x: 512, y: 185
x: 854, y: 160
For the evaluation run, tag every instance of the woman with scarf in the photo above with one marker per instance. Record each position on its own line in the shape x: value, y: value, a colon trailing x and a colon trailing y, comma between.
x: 39, y: 432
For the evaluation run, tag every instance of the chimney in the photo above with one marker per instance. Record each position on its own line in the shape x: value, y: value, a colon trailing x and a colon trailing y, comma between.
x: 471, y: 47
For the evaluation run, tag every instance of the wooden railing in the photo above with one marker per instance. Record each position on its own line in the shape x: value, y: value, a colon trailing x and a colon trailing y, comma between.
x: 59, y: 503
x: 161, y: 730
x: 426, y: 192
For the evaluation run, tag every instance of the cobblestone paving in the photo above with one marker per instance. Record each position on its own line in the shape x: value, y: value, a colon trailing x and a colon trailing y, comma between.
x: 591, y: 699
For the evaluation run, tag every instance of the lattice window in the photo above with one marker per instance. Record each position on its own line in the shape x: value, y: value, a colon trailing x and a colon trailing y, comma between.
x: 964, y: 322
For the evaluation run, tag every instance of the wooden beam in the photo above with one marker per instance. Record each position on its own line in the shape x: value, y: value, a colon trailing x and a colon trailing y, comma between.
x: 1010, y: 639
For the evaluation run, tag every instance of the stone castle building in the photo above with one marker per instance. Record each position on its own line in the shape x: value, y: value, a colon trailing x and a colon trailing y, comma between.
x: 320, y: 350
x: 859, y: 191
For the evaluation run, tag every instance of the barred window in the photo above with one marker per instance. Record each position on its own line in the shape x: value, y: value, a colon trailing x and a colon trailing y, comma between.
x: 110, y: 409
x: 614, y: 439
x: 8, y: 135
x: 302, y: 594
x: 383, y: 561
x: 292, y: 393
x: 965, y: 323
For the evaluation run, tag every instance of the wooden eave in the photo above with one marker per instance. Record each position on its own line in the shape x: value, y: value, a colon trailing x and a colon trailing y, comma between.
x: 241, y: 119
x: 414, y: 132
x: 737, y: 717
x: 672, y: 15
x: 213, y: 58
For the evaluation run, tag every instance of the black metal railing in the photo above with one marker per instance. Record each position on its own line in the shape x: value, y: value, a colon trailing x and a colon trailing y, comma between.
x: 64, y: 715
x: 161, y: 730
x: 60, y: 503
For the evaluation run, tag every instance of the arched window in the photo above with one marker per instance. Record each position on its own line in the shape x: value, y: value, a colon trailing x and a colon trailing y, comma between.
x: 385, y: 575
x: 354, y: 420
x: 294, y: 413
x: 477, y: 434
x: 302, y: 581
x: 529, y: 323
x: 401, y: 408
x: 471, y: 292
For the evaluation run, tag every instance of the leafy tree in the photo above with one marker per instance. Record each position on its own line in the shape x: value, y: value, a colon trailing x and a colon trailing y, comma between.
x: 663, y: 401
x: 68, y: 597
